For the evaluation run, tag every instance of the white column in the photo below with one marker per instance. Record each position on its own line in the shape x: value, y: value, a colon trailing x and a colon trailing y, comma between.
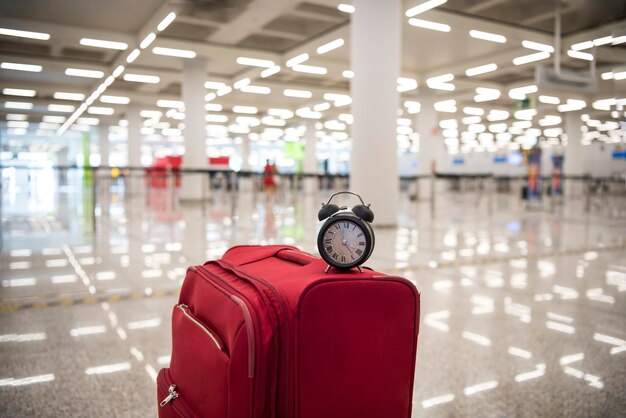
x: 574, y: 163
x: 310, y: 158
x: 245, y: 182
x: 135, y: 183
x: 431, y: 150
x: 103, y: 138
x: 194, y: 76
x: 375, y: 48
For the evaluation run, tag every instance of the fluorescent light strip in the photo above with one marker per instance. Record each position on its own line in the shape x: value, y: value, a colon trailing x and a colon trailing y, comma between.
x: 18, y: 105
x: 256, y: 89
x: 115, y: 99
x: 525, y: 59
x: 166, y: 21
x: 538, y: 46
x: 78, y: 72
x: 303, y: 94
x: 426, y: 24
x: 25, y: 34
x: 270, y: 71
x: 348, y: 74
x: 240, y: 83
x: 248, y: 110
x: 61, y: 108
x: 444, y: 78
x: 19, y: 92
x: 213, y: 107
x: 486, y: 36
x: 255, y: 62
x: 141, y: 78
x: 215, y: 85
x: 177, y: 104
x: 21, y: 67
x: 487, y: 68
x: 100, y: 43
x: 298, y: 59
x: 549, y: 100
x: 346, y: 8
x: 60, y: 95
x: 95, y: 110
x: 133, y: 55
x: 17, y: 124
x: 216, y: 118
x: 15, y: 116
x: 330, y: 46
x: 421, y: 8
x: 310, y: 69
x: 147, y: 40
x: 173, y: 52
x: 580, y: 55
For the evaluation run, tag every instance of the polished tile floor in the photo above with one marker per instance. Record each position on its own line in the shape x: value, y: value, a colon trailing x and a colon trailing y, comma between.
x: 523, y: 308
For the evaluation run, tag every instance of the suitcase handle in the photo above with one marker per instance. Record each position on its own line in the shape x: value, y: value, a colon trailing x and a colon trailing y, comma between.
x: 297, y: 257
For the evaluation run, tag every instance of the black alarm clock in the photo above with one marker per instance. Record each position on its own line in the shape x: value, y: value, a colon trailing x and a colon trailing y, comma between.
x: 346, y: 239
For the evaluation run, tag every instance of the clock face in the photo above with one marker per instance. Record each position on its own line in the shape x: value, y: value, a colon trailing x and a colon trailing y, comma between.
x: 344, y: 243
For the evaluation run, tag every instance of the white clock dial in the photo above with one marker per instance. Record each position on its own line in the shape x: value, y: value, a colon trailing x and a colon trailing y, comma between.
x: 344, y: 241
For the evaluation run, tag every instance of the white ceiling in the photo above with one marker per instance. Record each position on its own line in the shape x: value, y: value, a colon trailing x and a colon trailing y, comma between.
x: 277, y: 30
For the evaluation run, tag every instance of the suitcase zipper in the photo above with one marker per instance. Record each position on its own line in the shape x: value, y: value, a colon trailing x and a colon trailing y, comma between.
x: 185, y: 310
x: 172, y: 395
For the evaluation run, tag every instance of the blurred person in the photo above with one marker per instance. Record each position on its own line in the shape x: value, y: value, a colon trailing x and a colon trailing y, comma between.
x: 269, y: 179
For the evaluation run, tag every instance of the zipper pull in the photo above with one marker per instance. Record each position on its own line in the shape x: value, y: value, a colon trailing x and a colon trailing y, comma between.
x: 173, y: 395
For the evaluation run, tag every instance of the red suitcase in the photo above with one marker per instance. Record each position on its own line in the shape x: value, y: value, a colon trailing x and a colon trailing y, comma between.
x: 265, y: 332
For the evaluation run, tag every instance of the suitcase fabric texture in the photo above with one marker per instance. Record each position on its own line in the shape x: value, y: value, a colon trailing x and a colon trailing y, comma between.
x: 265, y: 332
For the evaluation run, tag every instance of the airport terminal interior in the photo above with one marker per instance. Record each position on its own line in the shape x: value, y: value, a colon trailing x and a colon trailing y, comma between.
x: 141, y: 137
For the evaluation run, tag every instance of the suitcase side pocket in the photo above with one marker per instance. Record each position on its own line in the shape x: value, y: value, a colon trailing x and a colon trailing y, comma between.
x: 170, y: 399
x: 199, y: 366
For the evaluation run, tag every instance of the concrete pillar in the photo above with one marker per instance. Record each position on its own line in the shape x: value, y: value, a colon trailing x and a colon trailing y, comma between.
x: 194, y: 76
x: 375, y: 49
x: 245, y: 182
x: 103, y: 138
x: 310, y: 158
x: 574, y: 163
x: 135, y: 183
x: 432, y: 147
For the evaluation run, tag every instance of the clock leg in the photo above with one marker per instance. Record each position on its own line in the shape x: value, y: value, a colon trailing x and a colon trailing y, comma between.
x: 360, y: 269
x: 327, y: 269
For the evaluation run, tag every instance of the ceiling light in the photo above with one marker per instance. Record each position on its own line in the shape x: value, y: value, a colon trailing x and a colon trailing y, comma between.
x: 17, y: 124
x: 99, y: 43
x: 280, y: 113
x: 133, y: 55
x: 270, y: 71
x: 607, y: 76
x: 255, y: 62
x: 442, y: 86
x: 549, y: 100
x: 538, y: 46
x: 618, y: 40
x: 17, y: 131
x: 619, y: 76
x: 152, y: 114
x: 94, y: 110
x: 580, y: 55
x: 243, y: 82
x: 421, y: 8
x: 348, y: 74
x: 147, y: 40
x: 486, y: 36
x: 440, y: 79
x: 49, y: 125
x: 346, y: 8
x: 118, y: 71
x: 446, y: 106
x: 21, y: 67
x: 210, y: 96
x: 213, y: 107
x: 256, y: 89
x: 406, y: 84
x: 321, y: 107
x: 310, y: 69
x: 224, y: 91
x: 298, y: 59
x: 412, y: 106
x: 115, y: 99
x: 19, y: 92
x: 15, y: 116
x: 177, y: 104
x: 487, y: 68
x: 61, y: 108
x: 77, y: 72
x: 248, y: 110
x: 53, y: 119
x: 525, y: 114
x: 215, y: 85
x: 25, y: 34
x: 330, y: 46
x: 173, y: 52
x: 18, y: 105
x: 519, y: 93
x: 525, y: 59
x: 497, y: 115
x: 141, y: 78
x: 426, y: 24
x: 166, y: 21
x: 602, y: 41
x: 582, y: 45
x: 470, y: 120
x: 304, y: 94
x: 477, y: 111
